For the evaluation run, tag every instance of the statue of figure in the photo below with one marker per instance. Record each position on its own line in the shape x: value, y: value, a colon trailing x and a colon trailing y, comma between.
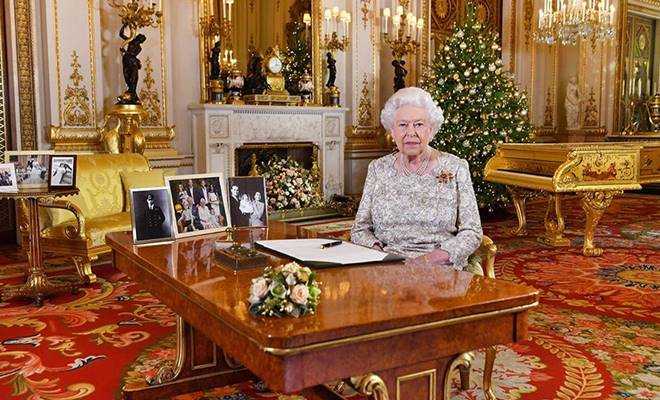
x: 332, y: 69
x: 255, y: 81
x: 214, y: 59
x: 131, y: 65
x: 572, y: 104
x: 399, y: 74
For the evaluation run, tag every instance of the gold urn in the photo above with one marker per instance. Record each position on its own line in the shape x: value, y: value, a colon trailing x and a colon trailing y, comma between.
x: 654, y: 112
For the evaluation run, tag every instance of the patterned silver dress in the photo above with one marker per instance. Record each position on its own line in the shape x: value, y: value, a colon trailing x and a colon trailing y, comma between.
x: 412, y: 215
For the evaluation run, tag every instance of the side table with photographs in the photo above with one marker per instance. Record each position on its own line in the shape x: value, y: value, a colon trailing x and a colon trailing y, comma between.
x: 37, y: 286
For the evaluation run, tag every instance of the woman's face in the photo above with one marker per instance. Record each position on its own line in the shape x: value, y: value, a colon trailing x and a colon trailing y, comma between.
x: 257, y: 196
x: 411, y: 130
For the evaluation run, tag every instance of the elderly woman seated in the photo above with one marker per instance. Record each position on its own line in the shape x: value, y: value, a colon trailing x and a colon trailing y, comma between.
x: 418, y: 202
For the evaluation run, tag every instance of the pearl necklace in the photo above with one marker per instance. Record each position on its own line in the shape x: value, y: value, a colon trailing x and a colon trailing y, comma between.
x: 422, y: 168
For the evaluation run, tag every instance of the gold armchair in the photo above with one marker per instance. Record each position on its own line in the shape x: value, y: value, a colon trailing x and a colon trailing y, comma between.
x: 77, y: 226
x: 484, y: 257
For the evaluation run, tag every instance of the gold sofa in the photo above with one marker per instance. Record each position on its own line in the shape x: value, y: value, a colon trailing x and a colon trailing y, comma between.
x: 77, y: 225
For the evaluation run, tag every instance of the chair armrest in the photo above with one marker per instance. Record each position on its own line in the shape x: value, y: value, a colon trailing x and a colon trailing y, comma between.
x: 487, y: 250
x: 71, y: 231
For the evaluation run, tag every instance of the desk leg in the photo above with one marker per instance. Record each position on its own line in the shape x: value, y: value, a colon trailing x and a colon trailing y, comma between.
x: 554, y: 223
x: 37, y: 285
x: 594, y: 205
x: 199, y: 365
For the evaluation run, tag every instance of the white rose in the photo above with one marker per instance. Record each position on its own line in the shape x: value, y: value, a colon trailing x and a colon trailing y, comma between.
x: 290, y: 280
x: 258, y: 289
x: 299, y: 294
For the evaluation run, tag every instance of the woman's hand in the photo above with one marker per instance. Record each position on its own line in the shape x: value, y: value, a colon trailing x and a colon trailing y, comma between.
x: 377, y: 246
x: 436, y: 257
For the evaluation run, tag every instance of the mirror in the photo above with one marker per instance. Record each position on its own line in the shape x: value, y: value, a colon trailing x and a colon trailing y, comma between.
x: 263, y: 24
x: 638, y: 69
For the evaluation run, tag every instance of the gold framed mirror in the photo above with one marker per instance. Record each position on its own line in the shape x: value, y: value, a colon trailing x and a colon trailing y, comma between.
x: 638, y: 69
x: 261, y: 25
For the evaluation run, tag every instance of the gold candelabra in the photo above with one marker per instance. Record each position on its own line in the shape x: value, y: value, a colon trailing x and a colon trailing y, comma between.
x: 336, y: 28
x: 403, y: 32
x: 135, y: 15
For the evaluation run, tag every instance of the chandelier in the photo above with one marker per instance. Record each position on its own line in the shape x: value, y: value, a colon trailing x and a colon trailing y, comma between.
x: 575, y: 20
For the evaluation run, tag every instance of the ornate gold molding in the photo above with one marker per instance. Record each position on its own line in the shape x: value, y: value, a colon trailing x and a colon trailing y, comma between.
x: 76, y: 99
x: 591, y: 113
x: 528, y: 19
x: 512, y: 39
x: 25, y: 72
x: 548, y: 114
x: 149, y: 97
x: 365, y: 114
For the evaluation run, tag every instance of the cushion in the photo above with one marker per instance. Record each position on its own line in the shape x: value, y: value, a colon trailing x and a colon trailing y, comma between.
x: 95, y: 228
x: 101, y: 191
x: 137, y: 180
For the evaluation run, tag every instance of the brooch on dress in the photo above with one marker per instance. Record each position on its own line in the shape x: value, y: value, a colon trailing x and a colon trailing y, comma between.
x: 445, y: 176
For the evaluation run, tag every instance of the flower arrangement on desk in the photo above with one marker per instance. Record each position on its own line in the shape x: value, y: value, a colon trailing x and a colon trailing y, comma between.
x: 289, y: 289
x: 289, y: 185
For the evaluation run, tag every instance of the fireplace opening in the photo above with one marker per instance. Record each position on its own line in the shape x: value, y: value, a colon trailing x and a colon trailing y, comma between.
x: 305, y: 153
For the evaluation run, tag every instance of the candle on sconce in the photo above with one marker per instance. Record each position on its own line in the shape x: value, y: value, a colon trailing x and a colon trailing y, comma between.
x: 420, y: 26
x: 342, y: 20
x: 386, y: 16
x: 327, y: 15
x: 229, y: 4
x: 399, y: 10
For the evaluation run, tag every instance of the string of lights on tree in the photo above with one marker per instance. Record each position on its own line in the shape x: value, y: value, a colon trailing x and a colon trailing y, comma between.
x: 481, y: 103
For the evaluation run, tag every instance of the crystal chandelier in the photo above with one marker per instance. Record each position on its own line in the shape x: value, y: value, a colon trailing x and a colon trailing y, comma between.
x: 574, y: 20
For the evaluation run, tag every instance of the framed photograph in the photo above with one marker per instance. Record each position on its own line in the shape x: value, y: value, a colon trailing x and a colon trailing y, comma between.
x: 8, y: 178
x: 31, y: 167
x: 247, y: 202
x: 150, y: 214
x: 62, y: 171
x: 198, y: 204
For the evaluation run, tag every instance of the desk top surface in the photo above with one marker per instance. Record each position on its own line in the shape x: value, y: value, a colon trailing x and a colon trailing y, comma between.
x: 355, y: 300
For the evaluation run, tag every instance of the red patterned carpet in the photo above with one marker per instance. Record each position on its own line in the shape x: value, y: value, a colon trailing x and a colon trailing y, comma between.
x: 595, y: 335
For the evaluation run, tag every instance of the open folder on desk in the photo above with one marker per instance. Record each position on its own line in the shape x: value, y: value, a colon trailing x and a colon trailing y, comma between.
x: 310, y: 252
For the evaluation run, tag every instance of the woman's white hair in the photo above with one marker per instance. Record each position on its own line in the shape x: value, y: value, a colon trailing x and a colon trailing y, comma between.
x: 416, y: 97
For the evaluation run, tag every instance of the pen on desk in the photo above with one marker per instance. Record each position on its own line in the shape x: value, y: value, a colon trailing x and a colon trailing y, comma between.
x: 331, y: 244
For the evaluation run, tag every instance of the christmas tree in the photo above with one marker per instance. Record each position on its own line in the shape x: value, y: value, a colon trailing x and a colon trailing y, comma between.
x: 298, y: 52
x: 481, y: 104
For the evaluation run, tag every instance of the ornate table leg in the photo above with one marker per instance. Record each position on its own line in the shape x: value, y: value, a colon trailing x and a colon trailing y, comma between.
x: 37, y: 285
x: 554, y: 223
x: 199, y: 365
x: 594, y: 205
x: 519, y: 197
x: 370, y: 385
x: 489, y: 362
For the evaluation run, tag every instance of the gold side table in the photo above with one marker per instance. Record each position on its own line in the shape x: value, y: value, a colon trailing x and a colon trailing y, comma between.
x: 37, y: 286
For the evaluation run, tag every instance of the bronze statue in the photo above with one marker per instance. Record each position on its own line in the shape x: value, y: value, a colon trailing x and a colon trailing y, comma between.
x: 399, y: 74
x: 255, y: 81
x: 214, y: 59
x: 131, y: 66
x: 332, y: 69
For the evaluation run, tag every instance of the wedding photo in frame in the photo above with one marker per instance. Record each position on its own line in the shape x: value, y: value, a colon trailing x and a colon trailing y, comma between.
x: 248, y: 205
x: 198, y: 204
x: 31, y: 167
x: 8, y: 178
x: 151, y: 216
x: 63, y: 168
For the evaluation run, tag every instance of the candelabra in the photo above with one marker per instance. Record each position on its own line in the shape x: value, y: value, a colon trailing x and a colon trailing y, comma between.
x: 336, y: 38
x: 217, y: 31
x: 135, y: 15
x: 403, y: 36
x: 574, y: 20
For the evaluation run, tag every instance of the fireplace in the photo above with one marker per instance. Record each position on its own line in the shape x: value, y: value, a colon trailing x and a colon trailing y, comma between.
x: 256, y: 154
x: 226, y: 136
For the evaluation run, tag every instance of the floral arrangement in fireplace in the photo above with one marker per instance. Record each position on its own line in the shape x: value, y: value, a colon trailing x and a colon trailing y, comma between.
x: 289, y: 289
x: 289, y: 185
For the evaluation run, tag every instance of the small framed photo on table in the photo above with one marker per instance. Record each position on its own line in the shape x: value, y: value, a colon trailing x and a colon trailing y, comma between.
x: 248, y: 204
x: 62, y: 171
x: 198, y: 204
x: 150, y: 214
x: 8, y: 178
x: 31, y: 167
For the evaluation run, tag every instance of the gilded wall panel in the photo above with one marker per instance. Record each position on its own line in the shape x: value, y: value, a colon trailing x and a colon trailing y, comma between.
x: 23, y: 20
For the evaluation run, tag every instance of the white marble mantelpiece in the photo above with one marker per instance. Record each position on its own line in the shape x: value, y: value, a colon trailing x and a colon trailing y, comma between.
x: 218, y: 130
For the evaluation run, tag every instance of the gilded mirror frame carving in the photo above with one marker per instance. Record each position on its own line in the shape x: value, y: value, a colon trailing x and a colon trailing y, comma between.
x: 206, y: 10
x: 641, y: 7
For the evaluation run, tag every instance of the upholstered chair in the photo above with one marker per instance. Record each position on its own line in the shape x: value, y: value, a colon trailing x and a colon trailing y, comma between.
x: 481, y: 262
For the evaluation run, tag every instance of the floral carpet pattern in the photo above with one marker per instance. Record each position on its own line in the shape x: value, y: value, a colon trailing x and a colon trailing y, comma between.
x: 594, y: 336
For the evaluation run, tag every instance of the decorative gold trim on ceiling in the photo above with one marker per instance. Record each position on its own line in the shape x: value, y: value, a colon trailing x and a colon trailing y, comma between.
x: 25, y: 72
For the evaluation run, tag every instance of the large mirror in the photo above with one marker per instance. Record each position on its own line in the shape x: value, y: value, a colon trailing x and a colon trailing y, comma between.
x: 638, y: 68
x: 261, y: 25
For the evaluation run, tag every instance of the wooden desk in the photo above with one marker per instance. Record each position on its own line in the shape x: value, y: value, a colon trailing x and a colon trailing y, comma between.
x: 393, y: 331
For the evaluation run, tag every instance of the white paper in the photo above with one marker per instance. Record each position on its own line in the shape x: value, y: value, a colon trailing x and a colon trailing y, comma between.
x: 310, y: 250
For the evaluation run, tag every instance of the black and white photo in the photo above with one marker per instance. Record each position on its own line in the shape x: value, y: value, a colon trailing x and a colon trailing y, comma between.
x: 247, y: 202
x: 62, y: 171
x: 31, y: 167
x: 198, y: 204
x: 151, y: 216
x: 8, y: 178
